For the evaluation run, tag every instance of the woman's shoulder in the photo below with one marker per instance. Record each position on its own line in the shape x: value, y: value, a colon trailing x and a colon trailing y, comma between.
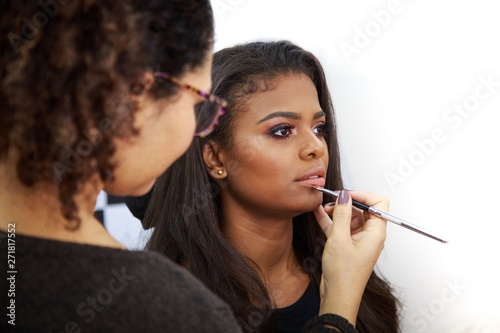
x: 166, y: 289
x: 102, y: 288
x: 161, y: 272
x: 170, y: 286
x: 150, y: 273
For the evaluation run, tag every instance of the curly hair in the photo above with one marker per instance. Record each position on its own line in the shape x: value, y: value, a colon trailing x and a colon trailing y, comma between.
x: 67, y: 69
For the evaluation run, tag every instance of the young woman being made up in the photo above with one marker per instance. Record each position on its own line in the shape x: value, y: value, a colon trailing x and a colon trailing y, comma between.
x: 238, y: 209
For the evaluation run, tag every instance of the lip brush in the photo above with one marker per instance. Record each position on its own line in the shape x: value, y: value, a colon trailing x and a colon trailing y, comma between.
x: 386, y: 216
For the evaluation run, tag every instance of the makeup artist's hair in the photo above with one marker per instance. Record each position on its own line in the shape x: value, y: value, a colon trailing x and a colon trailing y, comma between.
x: 65, y: 82
x: 184, y: 207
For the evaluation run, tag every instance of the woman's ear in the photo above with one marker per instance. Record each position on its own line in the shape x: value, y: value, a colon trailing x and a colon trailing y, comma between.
x: 140, y: 99
x: 146, y: 82
x: 214, y: 157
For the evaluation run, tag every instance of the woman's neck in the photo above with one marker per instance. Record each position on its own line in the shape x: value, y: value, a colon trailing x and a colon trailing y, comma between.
x: 267, y: 242
x: 36, y: 212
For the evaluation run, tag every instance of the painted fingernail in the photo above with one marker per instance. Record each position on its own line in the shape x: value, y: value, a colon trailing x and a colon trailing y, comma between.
x: 330, y: 204
x: 343, y: 197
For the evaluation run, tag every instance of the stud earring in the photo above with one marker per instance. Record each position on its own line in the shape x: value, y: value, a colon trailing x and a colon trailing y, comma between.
x: 220, y: 172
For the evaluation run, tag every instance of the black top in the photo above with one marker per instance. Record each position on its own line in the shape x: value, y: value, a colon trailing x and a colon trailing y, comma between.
x: 293, y: 318
x: 67, y: 287
x: 139, y: 205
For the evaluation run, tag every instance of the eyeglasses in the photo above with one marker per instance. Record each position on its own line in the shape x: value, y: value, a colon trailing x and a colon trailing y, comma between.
x: 207, y: 112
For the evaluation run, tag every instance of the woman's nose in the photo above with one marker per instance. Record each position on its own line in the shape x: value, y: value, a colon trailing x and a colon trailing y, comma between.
x: 312, y: 147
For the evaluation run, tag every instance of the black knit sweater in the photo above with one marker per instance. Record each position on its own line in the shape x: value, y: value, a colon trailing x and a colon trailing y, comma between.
x: 67, y: 287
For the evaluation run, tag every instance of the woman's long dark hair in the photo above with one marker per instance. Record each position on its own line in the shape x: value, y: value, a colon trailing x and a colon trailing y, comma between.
x: 184, y: 207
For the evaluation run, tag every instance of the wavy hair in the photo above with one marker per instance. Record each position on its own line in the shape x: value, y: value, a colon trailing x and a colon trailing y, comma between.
x: 67, y: 69
x: 184, y: 206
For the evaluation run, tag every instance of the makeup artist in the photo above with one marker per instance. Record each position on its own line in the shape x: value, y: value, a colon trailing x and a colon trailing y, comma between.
x: 81, y: 111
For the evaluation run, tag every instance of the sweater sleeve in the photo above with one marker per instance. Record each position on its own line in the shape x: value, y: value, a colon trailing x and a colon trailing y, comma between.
x: 335, y: 324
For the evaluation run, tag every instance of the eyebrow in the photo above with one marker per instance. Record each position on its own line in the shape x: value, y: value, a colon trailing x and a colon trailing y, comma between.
x: 290, y: 115
x: 319, y: 114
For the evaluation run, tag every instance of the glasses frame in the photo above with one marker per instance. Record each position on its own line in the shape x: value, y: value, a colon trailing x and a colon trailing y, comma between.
x: 221, y: 103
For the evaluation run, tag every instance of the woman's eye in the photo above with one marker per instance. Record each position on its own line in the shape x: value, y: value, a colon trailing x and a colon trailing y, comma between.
x: 320, y: 129
x: 281, y: 131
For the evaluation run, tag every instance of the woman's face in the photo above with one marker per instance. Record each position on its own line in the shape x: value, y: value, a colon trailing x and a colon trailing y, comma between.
x: 166, y: 130
x: 279, y: 150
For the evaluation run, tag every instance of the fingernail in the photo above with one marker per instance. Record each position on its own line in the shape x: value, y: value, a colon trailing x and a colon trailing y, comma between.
x: 343, y: 197
x: 330, y: 204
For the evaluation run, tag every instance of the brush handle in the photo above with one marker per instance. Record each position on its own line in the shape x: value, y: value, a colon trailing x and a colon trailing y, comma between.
x: 386, y: 216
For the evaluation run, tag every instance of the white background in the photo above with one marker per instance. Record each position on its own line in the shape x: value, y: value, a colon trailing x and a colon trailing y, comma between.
x: 398, y: 72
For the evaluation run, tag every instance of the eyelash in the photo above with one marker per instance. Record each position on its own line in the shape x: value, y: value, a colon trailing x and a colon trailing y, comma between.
x: 324, y: 129
x: 283, y: 127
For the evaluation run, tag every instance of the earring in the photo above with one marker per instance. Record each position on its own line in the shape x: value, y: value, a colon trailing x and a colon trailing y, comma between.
x: 220, y: 172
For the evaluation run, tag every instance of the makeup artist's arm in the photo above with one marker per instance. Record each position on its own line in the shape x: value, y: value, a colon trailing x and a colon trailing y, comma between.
x: 349, y: 255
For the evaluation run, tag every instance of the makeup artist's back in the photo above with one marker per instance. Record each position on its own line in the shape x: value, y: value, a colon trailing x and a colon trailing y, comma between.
x: 68, y: 287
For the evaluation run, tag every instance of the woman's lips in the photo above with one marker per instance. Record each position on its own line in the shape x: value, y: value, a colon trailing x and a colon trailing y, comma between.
x: 314, y: 181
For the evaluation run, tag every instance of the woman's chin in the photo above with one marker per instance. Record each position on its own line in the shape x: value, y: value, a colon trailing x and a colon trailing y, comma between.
x: 309, y: 205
